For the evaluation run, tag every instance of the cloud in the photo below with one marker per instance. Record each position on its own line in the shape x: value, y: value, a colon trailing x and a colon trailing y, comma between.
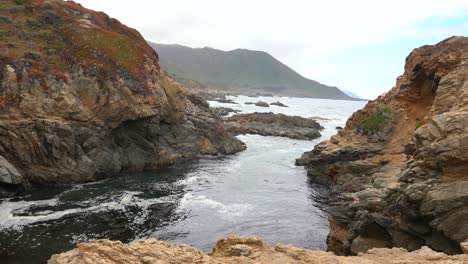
x: 302, y: 34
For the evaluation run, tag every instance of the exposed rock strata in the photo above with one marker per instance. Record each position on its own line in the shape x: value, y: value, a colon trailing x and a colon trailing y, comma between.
x: 233, y: 249
x: 270, y: 124
x: 400, y: 166
x: 90, y: 100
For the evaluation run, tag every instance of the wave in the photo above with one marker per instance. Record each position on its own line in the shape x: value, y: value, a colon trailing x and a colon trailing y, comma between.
x: 225, y: 211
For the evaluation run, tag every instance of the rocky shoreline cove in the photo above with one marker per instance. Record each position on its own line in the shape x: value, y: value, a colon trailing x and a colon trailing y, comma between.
x: 86, y: 99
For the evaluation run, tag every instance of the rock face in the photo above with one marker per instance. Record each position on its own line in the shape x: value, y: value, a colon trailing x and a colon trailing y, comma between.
x: 86, y: 98
x: 400, y: 166
x: 233, y: 249
x: 270, y: 124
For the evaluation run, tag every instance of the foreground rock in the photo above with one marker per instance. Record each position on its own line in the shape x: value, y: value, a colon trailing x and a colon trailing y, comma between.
x: 270, y: 124
x: 95, y: 103
x: 233, y: 249
x: 400, y: 166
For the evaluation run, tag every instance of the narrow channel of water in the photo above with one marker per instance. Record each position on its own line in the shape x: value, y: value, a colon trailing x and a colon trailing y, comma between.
x: 256, y: 192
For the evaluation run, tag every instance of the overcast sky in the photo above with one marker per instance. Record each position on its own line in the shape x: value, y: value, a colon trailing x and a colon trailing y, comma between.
x: 359, y: 46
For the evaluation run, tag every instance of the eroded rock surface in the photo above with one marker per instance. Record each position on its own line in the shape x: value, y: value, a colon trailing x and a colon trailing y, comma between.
x: 233, y: 249
x: 400, y: 166
x: 270, y: 124
x: 88, y: 99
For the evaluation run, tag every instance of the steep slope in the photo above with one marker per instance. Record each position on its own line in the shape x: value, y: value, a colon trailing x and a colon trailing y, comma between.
x: 83, y: 96
x: 244, y: 69
x: 400, y: 166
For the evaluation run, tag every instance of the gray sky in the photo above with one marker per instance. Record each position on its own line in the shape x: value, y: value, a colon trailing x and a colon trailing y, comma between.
x: 359, y: 46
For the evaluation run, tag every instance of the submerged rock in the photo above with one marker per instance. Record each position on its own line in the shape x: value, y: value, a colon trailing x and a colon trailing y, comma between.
x: 270, y: 124
x: 400, y: 166
x: 234, y: 249
x: 94, y: 104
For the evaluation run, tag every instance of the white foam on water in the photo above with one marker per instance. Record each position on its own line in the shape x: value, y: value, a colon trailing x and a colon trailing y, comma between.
x: 225, y: 211
x: 9, y: 210
x: 188, y: 180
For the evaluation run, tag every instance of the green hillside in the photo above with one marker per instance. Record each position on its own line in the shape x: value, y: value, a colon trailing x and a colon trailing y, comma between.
x: 255, y: 71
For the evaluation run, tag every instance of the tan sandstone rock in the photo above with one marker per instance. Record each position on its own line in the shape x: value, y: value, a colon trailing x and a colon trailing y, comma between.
x: 234, y: 249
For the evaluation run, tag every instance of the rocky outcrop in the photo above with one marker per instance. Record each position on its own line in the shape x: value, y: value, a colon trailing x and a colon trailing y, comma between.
x: 262, y: 104
x: 224, y: 111
x: 88, y: 99
x: 278, y: 103
x: 233, y: 249
x: 400, y: 166
x: 270, y: 124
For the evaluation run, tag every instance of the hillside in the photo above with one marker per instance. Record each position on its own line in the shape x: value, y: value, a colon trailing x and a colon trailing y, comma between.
x: 82, y: 96
x: 252, y: 71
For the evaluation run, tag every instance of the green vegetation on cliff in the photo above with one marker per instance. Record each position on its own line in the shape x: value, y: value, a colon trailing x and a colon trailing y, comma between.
x: 255, y: 71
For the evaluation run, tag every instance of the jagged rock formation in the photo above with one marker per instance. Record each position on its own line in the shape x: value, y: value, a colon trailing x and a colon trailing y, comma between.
x: 400, y: 166
x: 83, y: 96
x: 270, y: 124
x: 233, y: 249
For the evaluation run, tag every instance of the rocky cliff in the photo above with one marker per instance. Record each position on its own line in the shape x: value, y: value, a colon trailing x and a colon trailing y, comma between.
x: 83, y: 96
x: 400, y: 166
x: 233, y: 249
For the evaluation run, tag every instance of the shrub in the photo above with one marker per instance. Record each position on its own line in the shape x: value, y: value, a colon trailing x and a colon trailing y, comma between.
x: 23, y: 2
x: 376, y: 120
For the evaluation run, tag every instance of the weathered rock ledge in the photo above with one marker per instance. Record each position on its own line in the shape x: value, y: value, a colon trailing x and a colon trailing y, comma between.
x: 270, y: 124
x: 399, y: 168
x: 233, y: 249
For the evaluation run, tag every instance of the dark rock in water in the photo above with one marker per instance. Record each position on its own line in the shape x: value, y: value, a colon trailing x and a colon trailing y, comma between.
x: 338, y: 128
x: 400, y: 165
x: 225, y: 101
x: 269, y: 124
x: 89, y: 112
x: 249, y: 103
x: 278, y: 103
x: 262, y: 104
x: 223, y: 111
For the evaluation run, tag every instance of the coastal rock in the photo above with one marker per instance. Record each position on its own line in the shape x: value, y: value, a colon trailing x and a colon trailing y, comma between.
x: 223, y: 111
x: 89, y: 99
x: 278, y: 103
x: 262, y: 104
x: 399, y: 169
x: 270, y: 124
x: 234, y: 249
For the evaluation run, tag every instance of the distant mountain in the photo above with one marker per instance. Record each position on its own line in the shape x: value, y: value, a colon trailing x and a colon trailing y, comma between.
x: 352, y: 94
x: 240, y: 69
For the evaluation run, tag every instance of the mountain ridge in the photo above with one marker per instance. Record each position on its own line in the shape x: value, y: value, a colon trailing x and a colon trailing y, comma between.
x: 242, y: 69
